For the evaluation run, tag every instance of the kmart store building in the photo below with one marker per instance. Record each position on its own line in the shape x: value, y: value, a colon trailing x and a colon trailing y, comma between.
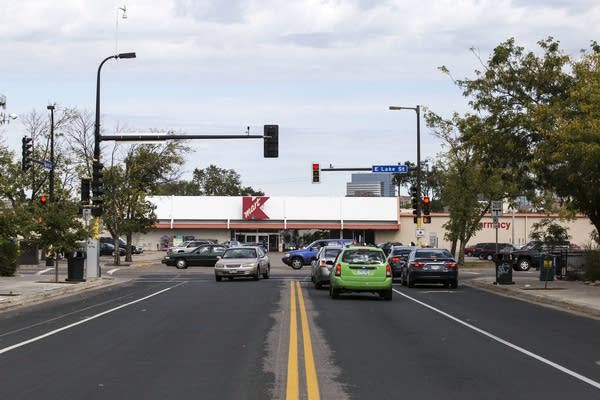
x: 366, y: 219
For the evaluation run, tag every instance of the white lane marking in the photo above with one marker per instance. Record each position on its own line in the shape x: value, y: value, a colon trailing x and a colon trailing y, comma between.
x: 64, y: 328
x: 112, y: 271
x: 470, y: 272
x: 506, y: 343
x: 42, y: 272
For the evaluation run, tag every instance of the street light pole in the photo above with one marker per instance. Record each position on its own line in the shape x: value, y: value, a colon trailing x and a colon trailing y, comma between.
x: 51, y: 174
x: 93, y: 270
x: 417, y: 109
x: 97, y: 122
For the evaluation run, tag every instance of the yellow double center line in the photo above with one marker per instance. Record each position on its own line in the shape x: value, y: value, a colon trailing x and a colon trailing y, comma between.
x: 312, y: 383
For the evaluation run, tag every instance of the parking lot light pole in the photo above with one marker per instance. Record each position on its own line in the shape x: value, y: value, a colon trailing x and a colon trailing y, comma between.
x: 417, y: 109
x: 51, y: 173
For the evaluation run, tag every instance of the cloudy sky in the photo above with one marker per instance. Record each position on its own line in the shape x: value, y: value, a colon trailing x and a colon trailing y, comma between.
x: 324, y: 70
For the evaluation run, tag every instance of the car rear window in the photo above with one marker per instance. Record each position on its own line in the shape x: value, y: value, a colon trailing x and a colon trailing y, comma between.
x: 363, y: 256
x: 240, y: 252
x: 331, y: 253
x: 433, y: 254
x: 401, y: 252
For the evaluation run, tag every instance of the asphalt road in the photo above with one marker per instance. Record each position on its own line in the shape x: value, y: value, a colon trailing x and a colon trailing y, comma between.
x: 178, y: 334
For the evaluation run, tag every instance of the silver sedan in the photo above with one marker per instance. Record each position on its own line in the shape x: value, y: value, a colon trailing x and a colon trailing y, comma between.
x: 248, y: 261
x: 321, y: 266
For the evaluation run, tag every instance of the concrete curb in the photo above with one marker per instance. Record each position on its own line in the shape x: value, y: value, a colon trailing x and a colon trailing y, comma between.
x: 532, y: 296
x: 54, y: 291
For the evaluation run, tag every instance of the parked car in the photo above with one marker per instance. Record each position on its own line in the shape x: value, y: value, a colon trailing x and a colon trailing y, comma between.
x: 122, y: 244
x: 473, y: 251
x: 397, y: 259
x: 298, y: 258
x: 430, y: 265
x: 361, y: 269
x: 232, y: 243
x: 321, y: 266
x: 264, y: 245
x: 187, y: 246
x: 387, y: 246
x: 531, y: 254
x: 246, y: 261
x: 108, y: 249
x: 488, y: 251
x: 206, y: 254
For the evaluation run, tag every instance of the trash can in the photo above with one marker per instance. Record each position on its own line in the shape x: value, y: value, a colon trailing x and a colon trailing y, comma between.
x: 547, y: 267
x: 503, y: 269
x: 75, y: 264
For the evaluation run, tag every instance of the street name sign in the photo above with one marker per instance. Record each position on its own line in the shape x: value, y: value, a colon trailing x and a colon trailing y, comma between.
x: 398, y: 169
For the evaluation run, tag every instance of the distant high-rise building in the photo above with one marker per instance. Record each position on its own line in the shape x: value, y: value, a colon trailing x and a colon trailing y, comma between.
x: 370, y: 184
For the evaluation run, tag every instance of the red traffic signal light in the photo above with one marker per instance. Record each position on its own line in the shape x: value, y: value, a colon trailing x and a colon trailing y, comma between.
x: 316, y: 173
x: 426, y: 205
x: 43, y: 199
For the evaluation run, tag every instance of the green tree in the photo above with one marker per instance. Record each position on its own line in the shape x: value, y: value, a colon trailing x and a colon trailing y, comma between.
x: 215, y: 181
x: 568, y: 159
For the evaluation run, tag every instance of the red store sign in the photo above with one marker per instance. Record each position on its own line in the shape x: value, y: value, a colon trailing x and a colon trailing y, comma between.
x: 252, y: 207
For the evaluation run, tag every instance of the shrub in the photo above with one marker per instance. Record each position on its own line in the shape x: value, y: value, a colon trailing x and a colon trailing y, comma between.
x: 592, y: 265
x: 8, y: 258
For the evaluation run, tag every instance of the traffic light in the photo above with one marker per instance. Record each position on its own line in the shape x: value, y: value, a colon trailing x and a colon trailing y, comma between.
x: 97, y: 189
x: 85, y: 191
x: 414, y: 195
x: 271, y: 141
x: 43, y: 200
x: 316, y: 173
x: 27, y: 145
x: 426, y: 210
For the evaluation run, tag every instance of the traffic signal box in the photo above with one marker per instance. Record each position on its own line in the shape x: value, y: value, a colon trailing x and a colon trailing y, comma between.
x: 426, y: 210
x: 316, y: 173
x: 271, y: 141
x: 26, y: 154
x: 97, y: 189
x: 414, y: 195
x: 43, y: 200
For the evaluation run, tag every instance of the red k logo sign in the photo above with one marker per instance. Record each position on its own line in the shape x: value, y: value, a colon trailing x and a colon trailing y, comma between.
x: 252, y: 207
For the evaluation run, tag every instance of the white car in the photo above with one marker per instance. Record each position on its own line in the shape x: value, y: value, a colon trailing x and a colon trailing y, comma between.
x: 187, y: 246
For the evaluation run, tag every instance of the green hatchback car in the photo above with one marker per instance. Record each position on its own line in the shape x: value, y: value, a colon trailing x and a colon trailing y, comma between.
x: 361, y: 269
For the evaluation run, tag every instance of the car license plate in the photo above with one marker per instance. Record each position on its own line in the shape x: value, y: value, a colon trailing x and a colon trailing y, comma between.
x: 363, y: 271
x: 435, y: 267
x: 232, y: 271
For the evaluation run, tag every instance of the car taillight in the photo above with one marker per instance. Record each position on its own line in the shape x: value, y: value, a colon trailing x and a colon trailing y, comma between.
x: 388, y: 271
x: 418, y: 265
x: 338, y: 270
x: 395, y: 260
x: 451, y: 264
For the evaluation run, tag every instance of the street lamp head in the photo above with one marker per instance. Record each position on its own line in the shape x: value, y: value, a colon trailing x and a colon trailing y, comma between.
x: 126, y: 55
x: 50, y: 107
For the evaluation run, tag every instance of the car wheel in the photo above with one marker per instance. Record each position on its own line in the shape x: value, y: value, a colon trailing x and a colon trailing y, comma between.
x: 181, y: 264
x: 218, y: 278
x: 386, y: 294
x: 523, y: 264
x: 257, y: 275
x: 297, y: 263
x: 454, y: 284
x: 409, y: 282
x: 490, y: 257
x: 334, y: 293
x: 267, y: 273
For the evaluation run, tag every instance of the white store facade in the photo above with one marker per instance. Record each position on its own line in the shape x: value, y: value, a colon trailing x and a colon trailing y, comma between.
x: 366, y: 219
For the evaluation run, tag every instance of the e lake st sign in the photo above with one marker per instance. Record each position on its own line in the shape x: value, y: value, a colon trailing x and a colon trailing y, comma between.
x: 397, y: 169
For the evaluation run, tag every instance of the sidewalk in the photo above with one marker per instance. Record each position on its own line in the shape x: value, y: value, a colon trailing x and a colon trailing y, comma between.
x: 572, y: 296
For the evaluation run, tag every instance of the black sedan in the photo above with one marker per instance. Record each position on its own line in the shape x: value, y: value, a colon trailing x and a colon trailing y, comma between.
x: 397, y: 259
x: 431, y: 266
x: 203, y: 255
x: 108, y: 249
